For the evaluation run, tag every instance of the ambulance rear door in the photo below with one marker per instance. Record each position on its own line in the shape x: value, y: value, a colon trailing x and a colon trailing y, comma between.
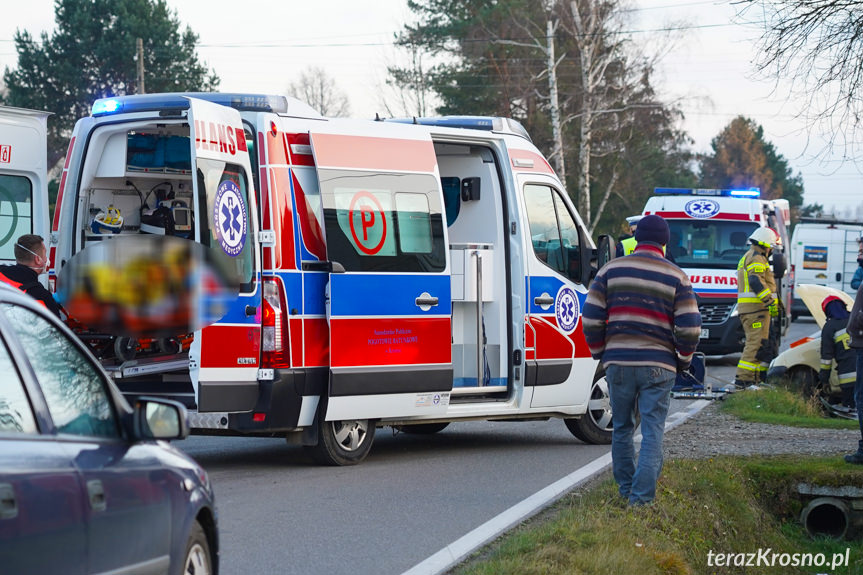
x: 389, y: 296
x: 23, y: 177
x: 225, y: 355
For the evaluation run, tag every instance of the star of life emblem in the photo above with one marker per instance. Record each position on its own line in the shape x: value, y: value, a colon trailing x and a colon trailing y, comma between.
x: 566, y: 309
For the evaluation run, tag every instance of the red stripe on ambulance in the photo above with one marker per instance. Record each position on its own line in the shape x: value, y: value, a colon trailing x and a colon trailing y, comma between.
x: 390, y: 341
x: 362, y: 152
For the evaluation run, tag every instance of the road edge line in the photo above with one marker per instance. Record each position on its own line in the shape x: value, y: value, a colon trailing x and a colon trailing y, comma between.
x: 458, y: 550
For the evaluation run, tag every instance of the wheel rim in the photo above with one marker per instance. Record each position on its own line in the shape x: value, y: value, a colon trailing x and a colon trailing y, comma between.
x: 599, y: 406
x: 350, y: 435
x: 197, y: 562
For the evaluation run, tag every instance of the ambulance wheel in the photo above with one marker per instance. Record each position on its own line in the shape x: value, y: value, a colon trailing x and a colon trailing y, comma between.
x: 342, y: 442
x: 595, y: 426
x: 423, y: 428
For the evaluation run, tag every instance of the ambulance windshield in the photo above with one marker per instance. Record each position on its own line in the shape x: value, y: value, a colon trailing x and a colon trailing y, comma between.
x: 708, y: 243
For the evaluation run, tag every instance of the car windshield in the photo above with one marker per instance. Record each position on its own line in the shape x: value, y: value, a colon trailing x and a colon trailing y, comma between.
x: 709, y: 243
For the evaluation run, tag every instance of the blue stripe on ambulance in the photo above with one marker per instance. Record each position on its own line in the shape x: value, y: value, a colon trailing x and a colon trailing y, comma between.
x: 389, y: 294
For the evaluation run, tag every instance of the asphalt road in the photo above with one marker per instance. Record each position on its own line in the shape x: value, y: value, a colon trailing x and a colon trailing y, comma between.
x: 279, y: 513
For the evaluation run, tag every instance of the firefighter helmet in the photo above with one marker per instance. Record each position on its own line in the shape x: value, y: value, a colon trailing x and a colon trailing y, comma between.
x: 763, y: 237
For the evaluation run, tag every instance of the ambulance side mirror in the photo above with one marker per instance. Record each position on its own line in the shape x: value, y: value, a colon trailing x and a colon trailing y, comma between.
x: 779, y: 264
x: 605, y: 251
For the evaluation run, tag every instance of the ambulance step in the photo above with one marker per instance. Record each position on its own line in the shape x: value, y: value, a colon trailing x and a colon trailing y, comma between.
x: 148, y: 366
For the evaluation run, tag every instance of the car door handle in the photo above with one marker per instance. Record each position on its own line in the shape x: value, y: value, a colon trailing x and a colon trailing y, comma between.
x: 251, y: 310
x: 544, y: 299
x: 97, y: 495
x: 426, y: 299
x: 8, y: 502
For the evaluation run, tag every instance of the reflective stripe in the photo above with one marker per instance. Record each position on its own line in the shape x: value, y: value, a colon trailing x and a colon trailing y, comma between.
x: 827, y: 363
x: 747, y: 366
x: 756, y: 267
x: 848, y: 377
x: 765, y: 296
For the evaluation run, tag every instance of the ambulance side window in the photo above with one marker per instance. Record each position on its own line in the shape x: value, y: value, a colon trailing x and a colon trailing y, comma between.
x: 553, y: 231
x: 226, y: 221
x: 378, y: 222
x: 16, y: 212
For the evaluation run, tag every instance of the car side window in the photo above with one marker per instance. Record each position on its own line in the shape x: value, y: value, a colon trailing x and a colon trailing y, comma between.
x: 553, y: 231
x: 74, y: 389
x: 16, y: 415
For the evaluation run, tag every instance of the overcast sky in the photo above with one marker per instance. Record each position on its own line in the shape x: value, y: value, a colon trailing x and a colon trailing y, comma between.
x: 262, y: 46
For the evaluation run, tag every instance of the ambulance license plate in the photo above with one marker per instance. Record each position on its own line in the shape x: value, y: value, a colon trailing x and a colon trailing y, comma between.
x: 705, y: 333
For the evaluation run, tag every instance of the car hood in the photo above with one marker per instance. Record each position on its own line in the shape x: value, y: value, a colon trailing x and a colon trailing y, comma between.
x: 812, y: 295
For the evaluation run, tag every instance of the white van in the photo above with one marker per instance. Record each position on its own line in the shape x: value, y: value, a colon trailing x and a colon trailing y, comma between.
x: 404, y: 274
x: 823, y: 252
x: 23, y: 177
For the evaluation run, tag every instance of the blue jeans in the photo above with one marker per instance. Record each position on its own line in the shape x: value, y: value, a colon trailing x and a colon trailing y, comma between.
x: 648, y: 388
x: 858, y: 397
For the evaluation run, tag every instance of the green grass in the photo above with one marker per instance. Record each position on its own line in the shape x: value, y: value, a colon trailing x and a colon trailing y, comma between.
x: 724, y: 505
x: 782, y: 407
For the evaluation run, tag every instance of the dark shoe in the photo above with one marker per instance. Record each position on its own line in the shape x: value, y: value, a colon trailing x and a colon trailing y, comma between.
x: 741, y: 384
x: 855, y: 458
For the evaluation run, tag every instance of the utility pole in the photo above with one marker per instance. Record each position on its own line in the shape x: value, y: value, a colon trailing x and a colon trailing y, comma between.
x: 140, y: 46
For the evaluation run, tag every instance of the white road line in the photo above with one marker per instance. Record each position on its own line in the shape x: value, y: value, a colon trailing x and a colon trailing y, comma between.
x: 458, y: 550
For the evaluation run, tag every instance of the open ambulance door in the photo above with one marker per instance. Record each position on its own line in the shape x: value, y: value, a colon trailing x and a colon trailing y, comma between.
x: 225, y: 355
x: 389, y: 295
x: 23, y: 177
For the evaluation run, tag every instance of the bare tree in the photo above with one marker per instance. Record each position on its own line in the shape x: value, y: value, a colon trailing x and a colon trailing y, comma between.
x: 317, y: 89
x: 818, y: 46
x: 409, y: 87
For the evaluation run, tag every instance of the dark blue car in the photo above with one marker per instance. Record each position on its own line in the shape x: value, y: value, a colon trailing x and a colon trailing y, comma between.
x: 87, y: 483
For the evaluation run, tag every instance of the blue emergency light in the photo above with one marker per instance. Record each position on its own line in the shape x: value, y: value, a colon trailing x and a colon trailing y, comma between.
x: 486, y: 123
x: 748, y: 193
x: 180, y: 101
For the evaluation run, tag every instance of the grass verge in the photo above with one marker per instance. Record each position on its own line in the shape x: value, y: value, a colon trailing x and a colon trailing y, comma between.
x: 722, y: 505
x: 782, y: 407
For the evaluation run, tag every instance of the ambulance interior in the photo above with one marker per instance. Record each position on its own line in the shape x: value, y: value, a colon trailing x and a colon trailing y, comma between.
x: 141, y: 182
x: 137, y: 179
x: 480, y: 317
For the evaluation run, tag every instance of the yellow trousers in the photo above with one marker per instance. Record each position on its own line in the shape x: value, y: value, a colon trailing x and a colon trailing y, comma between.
x: 756, y: 326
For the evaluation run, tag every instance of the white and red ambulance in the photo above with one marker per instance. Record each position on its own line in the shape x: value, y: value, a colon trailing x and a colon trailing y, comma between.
x: 710, y: 231
x: 23, y: 177
x: 405, y: 274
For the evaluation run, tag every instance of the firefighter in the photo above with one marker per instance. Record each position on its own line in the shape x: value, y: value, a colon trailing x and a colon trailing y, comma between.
x: 835, y: 345
x: 757, y: 305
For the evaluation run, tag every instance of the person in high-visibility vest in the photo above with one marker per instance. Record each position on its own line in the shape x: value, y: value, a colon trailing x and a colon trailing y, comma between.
x: 627, y: 245
x: 757, y: 305
x: 836, y: 346
x: 31, y: 260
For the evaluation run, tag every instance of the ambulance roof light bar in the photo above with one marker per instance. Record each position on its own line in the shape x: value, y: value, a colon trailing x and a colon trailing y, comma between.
x: 743, y: 193
x: 179, y: 101
x: 487, y: 123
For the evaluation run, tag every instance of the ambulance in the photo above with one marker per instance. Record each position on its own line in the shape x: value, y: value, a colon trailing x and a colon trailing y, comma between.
x: 710, y: 231
x: 23, y: 177
x: 393, y: 273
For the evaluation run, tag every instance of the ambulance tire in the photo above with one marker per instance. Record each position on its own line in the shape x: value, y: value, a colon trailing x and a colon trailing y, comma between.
x: 342, y: 443
x: 594, y: 427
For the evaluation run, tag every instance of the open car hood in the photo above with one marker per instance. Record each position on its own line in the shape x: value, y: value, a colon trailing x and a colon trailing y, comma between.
x: 812, y: 295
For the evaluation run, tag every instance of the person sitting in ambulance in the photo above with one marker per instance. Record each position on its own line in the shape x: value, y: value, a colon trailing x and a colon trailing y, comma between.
x: 31, y: 260
x: 835, y: 346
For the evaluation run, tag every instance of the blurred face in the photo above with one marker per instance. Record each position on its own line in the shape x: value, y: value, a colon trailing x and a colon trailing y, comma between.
x: 40, y: 259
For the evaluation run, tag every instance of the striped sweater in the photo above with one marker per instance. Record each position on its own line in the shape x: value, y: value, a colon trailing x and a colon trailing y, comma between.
x: 641, y: 310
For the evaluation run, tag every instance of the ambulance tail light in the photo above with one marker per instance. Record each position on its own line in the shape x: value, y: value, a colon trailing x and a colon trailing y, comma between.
x: 274, y: 325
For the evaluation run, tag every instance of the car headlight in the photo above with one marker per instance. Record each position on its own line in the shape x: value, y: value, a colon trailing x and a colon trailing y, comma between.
x: 733, y: 311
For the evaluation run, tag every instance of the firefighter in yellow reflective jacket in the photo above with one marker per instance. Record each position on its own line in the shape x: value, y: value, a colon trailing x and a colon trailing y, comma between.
x: 757, y: 306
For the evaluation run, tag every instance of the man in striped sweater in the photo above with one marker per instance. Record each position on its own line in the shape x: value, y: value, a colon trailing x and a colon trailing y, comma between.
x: 641, y: 320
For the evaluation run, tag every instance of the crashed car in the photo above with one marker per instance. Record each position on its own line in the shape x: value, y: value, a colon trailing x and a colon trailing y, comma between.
x: 797, y: 367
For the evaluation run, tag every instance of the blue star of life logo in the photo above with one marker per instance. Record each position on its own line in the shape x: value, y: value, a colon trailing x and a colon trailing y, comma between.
x: 566, y: 309
x: 230, y: 218
x: 702, y: 208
